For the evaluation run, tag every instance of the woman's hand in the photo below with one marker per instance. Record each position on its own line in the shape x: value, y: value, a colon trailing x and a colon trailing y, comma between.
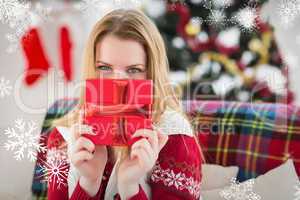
x: 88, y: 159
x: 141, y: 160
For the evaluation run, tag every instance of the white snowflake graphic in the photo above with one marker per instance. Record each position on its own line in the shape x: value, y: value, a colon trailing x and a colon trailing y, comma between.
x: 54, y: 154
x: 297, y: 193
x: 223, y: 3
x: 288, y: 11
x: 246, y: 18
x: 238, y: 191
x: 5, y: 87
x: 54, y: 170
x: 7, y: 9
x: 16, y: 15
x: 23, y: 139
x: 20, y: 15
x: 217, y: 18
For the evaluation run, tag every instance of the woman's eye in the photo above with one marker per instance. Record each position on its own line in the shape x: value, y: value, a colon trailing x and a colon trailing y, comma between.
x: 134, y: 70
x: 104, y: 68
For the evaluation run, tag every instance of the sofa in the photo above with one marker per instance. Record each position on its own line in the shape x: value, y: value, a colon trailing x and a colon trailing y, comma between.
x: 256, y: 137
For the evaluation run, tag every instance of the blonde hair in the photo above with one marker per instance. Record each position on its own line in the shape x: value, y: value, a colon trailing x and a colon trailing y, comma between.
x: 130, y: 24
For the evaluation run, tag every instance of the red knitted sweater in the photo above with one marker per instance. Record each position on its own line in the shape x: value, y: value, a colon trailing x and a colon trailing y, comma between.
x: 176, y: 174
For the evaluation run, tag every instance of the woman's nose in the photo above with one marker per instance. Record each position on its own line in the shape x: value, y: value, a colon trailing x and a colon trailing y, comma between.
x: 119, y: 74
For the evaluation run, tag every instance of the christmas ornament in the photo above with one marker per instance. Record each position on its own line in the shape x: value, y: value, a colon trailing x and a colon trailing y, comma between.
x: 228, y: 41
x: 193, y: 27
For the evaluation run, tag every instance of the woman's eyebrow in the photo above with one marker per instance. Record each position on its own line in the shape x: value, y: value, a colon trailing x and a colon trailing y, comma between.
x: 99, y: 61
x: 103, y: 62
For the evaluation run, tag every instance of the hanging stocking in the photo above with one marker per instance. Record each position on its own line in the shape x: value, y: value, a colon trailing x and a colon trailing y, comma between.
x: 65, y: 52
x: 37, y: 63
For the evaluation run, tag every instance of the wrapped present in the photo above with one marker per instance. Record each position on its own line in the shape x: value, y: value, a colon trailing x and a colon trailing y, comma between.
x: 116, y: 108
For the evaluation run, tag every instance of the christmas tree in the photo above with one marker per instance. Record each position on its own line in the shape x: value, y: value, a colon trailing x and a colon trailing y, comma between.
x: 221, y: 49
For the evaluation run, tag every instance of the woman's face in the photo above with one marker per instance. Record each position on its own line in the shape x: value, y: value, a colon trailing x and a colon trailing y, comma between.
x: 120, y: 59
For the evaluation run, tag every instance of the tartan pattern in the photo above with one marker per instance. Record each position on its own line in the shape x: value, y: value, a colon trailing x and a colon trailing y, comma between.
x: 255, y: 137
x: 57, y: 110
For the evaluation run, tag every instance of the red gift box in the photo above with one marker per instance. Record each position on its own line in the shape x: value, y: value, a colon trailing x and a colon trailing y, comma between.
x: 116, y: 108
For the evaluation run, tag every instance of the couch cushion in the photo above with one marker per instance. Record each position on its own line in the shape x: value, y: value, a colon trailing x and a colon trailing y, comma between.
x: 262, y: 187
x: 217, y: 176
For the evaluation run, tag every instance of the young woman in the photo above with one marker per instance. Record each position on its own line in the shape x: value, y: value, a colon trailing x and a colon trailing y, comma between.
x: 166, y: 162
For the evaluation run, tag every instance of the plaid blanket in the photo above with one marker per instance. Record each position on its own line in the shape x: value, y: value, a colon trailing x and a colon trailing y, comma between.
x: 57, y: 110
x: 255, y: 137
